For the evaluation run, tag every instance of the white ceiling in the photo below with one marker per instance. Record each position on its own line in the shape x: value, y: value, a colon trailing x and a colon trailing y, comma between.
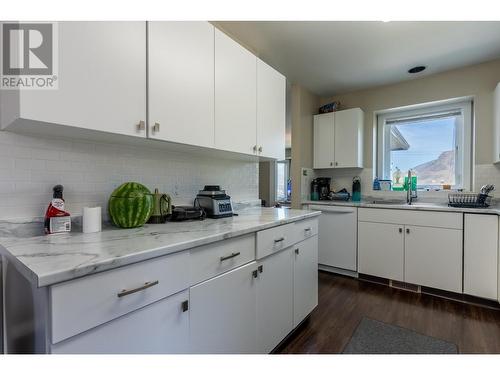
x: 337, y: 57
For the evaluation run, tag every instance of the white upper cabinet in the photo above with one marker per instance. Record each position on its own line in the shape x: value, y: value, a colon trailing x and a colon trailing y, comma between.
x: 181, y: 82
x: 324, y: 137
x: 348, y: 143
x: 101, y: 79
x: 235, y: 96
x: 271, y: 108
x: 338, y: 139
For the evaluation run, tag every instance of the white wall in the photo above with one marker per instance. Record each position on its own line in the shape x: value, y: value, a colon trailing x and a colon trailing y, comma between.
x: 89, y: 171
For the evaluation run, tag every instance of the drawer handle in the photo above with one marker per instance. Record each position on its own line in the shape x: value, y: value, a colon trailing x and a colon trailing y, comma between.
x: 297, y: 251
x: 147, y: 285
x: 308, y: 229
x: 222, y: 259
x: 279, y: 240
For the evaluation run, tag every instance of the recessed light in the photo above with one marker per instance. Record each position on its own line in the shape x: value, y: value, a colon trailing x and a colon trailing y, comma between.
x: 416, y: 69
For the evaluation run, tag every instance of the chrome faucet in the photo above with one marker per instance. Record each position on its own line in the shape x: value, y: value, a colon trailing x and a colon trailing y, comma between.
x: 410, y: 194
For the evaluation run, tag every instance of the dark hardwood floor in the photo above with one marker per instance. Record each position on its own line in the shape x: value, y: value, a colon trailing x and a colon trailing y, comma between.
x: 343, y: 301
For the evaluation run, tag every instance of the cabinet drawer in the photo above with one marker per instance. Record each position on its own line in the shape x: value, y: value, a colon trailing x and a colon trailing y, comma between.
x: 211, y: 260
x: 81, y: 304
x: 450, y: 220
x: 305, y: 229
x: 274, y: 239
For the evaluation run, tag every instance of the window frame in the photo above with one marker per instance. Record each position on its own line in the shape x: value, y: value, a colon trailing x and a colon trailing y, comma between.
x: 463, y: 141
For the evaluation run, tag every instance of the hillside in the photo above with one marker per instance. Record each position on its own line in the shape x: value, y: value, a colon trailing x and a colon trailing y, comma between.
x: 439, y: 171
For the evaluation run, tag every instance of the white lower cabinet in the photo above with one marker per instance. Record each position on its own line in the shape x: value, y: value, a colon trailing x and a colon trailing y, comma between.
x: 481, y: 255
x: 433, y: 257
x: 274, y: 299
x: 161, y: 327
x: 305, y: 279
x: 381, y: 250
x: 223, y: 313
x: 417, y: 247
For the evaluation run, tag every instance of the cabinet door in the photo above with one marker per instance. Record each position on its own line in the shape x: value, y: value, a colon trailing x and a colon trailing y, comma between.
x: 181, y: 82
x: 338, y: 237
x: 381, y: 250
x: 102, y: 79
x: 223, y: 313
x: 323, y: 140
x: 305, y: 279
x: 274, y: 300
x: 481, y: 255
x: 159, y: 328
x: 349, y: 138
x: 433, y: 257
x: 271, y: 108
x: 235, y: 96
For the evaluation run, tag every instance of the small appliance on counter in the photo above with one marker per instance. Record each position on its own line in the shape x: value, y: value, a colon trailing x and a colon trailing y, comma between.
x: 215, y: 202
x: 162, y: 208
x: 320, y: 188
x: 183, y: 213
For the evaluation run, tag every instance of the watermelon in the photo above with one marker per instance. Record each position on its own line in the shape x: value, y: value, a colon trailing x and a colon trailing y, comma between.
x: 130, y: 205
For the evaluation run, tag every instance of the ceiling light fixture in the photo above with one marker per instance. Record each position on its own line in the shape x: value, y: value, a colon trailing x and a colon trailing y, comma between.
x: 416, y: 69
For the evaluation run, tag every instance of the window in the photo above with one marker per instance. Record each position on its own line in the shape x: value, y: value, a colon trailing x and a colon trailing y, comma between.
x: 283, y: 182
x: 434, y: 141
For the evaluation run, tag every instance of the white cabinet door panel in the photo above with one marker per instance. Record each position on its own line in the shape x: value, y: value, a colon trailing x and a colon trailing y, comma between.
x: 181, y: 82
x: 381, y: 250
x: 274, y: 300
x: 349, y: 138
x: 102, y: 79
x: 305, y: 279
x: 223, y: 313
x: 159, y: 328
x: 481, y: 255
x: 235, y: 96
x: 324, y: 140
x: 433, y: 257
x: 271, y: 108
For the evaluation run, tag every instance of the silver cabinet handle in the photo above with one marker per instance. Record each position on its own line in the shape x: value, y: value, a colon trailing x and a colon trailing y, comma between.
x: 141, y: 126
x: 156, y: 127
x: 260, y: 149
x: 185, y: 306
x: 297, y: 251
x: 222, y: 259
x: 400, y: 230
x: 407, y: 230
x: 308, y: 229
x: 336, y: 163
x: 261, y: 268
x: 126, y: 292
x: 255, y: 273
x: 331, y: 164
x: 255, y: 148
x: 279, y: 240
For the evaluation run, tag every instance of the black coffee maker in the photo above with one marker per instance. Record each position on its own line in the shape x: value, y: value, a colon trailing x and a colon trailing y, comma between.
x: 320, y: 187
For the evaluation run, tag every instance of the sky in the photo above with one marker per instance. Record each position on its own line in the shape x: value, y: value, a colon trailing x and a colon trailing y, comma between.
x: 427, y: 141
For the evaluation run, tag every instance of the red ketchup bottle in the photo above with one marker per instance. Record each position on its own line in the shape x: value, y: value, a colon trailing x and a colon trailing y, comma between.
x: 57, y: 220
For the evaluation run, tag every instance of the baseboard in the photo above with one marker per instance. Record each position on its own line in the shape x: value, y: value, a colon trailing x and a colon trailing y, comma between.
x: 340, y: 271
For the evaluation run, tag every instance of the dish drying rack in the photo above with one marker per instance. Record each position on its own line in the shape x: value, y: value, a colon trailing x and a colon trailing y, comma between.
x: 469, y: 200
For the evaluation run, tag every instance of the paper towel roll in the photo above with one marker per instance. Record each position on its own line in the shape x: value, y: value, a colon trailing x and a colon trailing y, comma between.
x: 92, y: 219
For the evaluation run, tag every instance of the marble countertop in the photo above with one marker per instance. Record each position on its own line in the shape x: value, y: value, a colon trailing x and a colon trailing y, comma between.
x: 52, y: 259
x: 416, y: 205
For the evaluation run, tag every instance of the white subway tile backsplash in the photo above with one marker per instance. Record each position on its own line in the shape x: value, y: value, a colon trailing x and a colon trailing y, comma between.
x: 31, y: 166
